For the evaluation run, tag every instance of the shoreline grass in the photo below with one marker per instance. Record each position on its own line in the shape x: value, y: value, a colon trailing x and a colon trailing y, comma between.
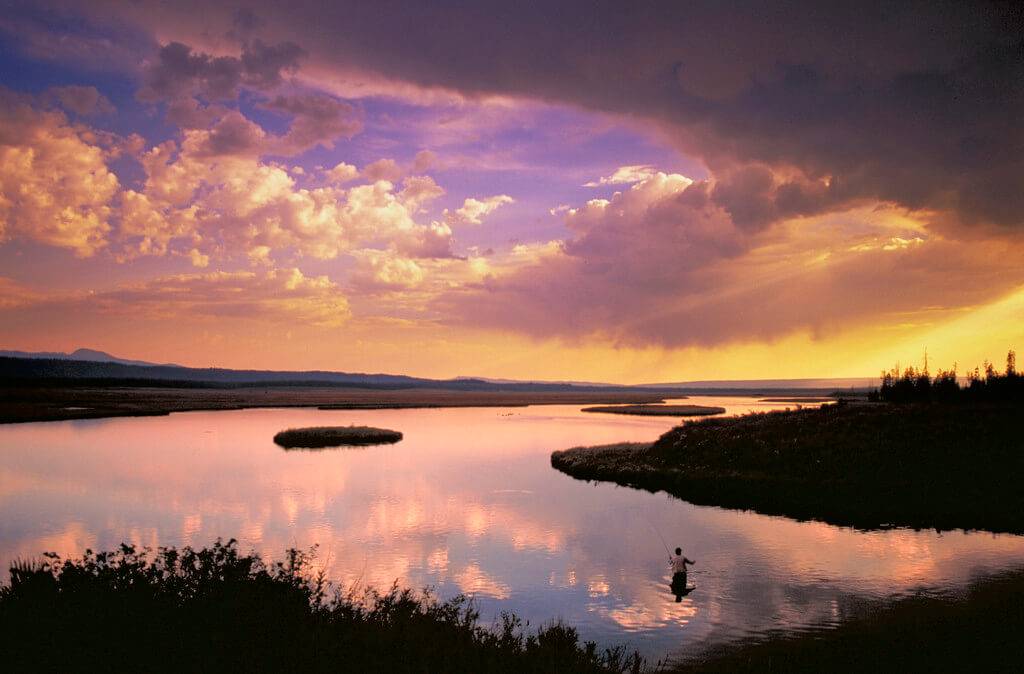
x: 214, y: 609
x: 865, y: 465
x: 658, y: 410
x: 321, y: 437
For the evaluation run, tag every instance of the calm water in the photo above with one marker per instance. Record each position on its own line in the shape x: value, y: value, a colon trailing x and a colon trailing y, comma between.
x: 467, y: 502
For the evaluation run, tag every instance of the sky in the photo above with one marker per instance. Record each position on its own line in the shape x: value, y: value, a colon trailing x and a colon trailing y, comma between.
x: 620, y: 192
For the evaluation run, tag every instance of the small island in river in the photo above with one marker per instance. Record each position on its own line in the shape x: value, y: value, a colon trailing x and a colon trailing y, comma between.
x: 658, y: 410
x: 318, y: 437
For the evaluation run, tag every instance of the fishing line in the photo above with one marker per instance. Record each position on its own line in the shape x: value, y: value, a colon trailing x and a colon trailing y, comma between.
x: 660, y: 537
x: 665, y: 545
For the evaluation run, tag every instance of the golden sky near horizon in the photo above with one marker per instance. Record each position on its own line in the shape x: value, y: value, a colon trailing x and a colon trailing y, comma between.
x: 391, y: 190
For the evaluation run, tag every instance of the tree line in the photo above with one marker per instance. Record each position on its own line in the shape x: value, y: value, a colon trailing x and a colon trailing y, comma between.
x: 983, y: 384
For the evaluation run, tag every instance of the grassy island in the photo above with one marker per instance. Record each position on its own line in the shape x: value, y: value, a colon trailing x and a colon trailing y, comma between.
x: 867, y: 465
x: 317, y: 437
x: 216, y: 610
x: 658, y: 410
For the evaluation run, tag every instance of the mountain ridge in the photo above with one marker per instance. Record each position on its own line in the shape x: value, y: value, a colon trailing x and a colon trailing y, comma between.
x: 96, y: 364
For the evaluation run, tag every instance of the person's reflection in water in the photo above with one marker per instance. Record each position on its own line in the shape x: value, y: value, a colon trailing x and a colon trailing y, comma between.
x: 678, y: 585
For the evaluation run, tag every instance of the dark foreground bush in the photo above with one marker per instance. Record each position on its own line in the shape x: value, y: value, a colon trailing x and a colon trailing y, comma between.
x: 217, y: 610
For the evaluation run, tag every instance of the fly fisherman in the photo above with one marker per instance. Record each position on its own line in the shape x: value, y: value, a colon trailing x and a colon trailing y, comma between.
x: 679, y: 562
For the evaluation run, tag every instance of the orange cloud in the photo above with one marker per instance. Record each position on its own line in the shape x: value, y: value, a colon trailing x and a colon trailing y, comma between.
x: 55, y: 187
x: 473, y: 211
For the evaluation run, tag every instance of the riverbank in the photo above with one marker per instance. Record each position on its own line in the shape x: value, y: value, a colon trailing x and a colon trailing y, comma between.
x: 977, y: 631
x: 55, y: 403
x: 865, y: 465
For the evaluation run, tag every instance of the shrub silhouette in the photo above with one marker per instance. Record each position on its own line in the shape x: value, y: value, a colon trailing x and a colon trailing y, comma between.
x: 215, y: 609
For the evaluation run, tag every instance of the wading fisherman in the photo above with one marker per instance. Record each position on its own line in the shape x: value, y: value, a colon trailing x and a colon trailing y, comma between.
x: 679, y: 562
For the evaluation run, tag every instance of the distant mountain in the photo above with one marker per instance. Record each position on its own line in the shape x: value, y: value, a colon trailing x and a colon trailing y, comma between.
x: 64, y: 369
x: 89, y: 355
x: 98, y: 365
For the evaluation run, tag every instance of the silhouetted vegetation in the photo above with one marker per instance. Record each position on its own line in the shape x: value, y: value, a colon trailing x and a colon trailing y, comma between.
x: 658, y: 410
x: 983, y: 384
x: 217, y: 610
x: 862, y: 464
x: 978, y: 632
x: 317, y: 437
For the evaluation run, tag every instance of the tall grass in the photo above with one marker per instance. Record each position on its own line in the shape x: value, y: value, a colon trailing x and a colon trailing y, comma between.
x: 215, y: 609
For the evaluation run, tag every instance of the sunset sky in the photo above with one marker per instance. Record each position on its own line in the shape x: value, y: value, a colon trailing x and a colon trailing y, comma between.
x: 628, y: 192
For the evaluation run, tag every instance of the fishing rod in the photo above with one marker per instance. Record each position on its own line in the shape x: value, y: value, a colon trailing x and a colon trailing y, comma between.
x: 664, y: 544
x: 667, y: 551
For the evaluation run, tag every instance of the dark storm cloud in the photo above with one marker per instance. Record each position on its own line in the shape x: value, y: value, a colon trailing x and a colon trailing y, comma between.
x: 179, y: 71
x: 917, y: 103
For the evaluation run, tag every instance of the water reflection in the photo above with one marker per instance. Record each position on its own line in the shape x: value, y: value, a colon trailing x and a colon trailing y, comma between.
x: 467, y: 502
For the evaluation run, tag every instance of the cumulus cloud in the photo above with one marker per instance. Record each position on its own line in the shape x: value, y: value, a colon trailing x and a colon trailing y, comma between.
x: 342, y: 173
x: 385, y: 270
x: 430, y: 241
x: 82, y: 100
x: 423, y: 160
x: 196, y: 86
x: 209, y: 197
x: 55, y: 187
x: 178, y: 71
x: 419, y: 190
x: 473, y: 211
x: 232, y: 135
x: 317, y: 119
x: 198, y: 259
x: 383, y: 169
x: 227, y: 203
x: 624, y: 175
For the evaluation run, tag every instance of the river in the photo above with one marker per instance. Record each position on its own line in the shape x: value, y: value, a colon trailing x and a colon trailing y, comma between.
x: 468, y: 502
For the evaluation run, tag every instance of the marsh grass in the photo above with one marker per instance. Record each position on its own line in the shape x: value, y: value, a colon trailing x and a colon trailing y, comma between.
x: 319, y: 437
x: 215, y: 609
x: 658, y: 410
